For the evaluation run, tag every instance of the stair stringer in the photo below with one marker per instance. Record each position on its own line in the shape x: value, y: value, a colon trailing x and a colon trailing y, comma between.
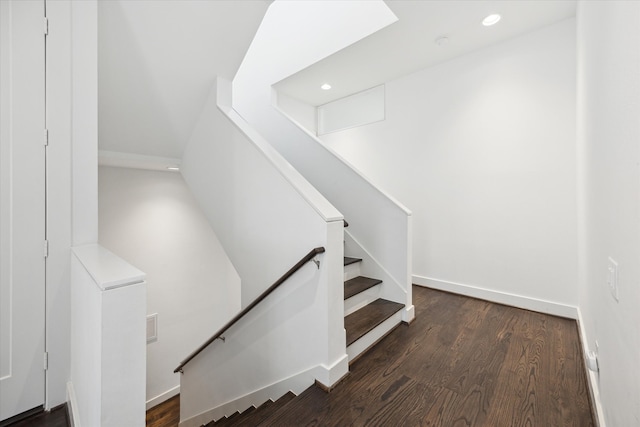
x: 391, y: 288
x: 296, y: 384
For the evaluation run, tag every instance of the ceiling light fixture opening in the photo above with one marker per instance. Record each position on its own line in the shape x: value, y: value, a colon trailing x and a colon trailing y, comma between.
x: 325, y: 86
x: 173, y: 168
x: 491, y: 20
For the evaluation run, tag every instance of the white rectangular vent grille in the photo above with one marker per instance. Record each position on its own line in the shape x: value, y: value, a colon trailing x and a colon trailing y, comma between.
x: 152, y: 327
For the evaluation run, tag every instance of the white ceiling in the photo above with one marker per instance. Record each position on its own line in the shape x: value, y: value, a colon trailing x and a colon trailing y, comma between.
x: 158, y: 59
x: 157, y: 63
x: 408, y: 45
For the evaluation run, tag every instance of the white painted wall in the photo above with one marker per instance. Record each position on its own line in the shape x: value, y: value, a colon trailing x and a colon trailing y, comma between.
x: 151, y: 219
x: 84, y: 133
x: 157, y: 61
x: 482, y: 150
x: 253, y: 198
x: 609, y: 197
x: 304, y: 114
x: 352, y: 111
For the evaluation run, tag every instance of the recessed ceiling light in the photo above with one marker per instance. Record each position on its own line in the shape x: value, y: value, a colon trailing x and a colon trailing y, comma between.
x: 491, y: 20
x: 325, y: 86
x: 173, y: 168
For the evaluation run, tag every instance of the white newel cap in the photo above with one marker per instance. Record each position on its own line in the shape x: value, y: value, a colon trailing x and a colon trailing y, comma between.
x: 108, y: 270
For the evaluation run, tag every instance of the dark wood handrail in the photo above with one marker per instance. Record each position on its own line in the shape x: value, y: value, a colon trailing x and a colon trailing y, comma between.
x: 308, y: 257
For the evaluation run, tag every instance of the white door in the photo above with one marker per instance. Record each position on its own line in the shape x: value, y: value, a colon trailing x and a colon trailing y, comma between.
x: 22, y: 206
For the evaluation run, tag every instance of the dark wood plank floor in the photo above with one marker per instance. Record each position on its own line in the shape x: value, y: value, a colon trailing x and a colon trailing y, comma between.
x: 166, y: 414
x: 57, y: 417
x: 462, y: 362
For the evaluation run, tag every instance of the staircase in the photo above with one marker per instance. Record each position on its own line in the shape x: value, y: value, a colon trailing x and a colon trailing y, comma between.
x: 368, y: 319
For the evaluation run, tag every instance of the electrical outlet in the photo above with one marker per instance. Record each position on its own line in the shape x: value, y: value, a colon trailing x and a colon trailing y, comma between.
x: 612, y: 278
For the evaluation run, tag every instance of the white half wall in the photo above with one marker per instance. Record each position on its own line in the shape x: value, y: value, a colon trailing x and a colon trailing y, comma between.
x: 152, y: 220
x: 482, y: 150
x: 108, y: 298
x: 291, y: 36
x: 609, y: 199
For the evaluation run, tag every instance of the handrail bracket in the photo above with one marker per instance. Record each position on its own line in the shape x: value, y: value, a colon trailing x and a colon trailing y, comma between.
x: 316, y: 262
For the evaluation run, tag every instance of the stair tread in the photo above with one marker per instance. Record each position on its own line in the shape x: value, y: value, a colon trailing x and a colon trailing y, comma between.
x: 368, y: 317
x: 358, y: 284
x: 350, y: 260
x: 263, y: 412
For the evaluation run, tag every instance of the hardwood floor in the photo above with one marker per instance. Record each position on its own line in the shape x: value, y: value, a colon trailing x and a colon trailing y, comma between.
x: 462, y: 362
x: 166, y: 414
x: 56, y: 417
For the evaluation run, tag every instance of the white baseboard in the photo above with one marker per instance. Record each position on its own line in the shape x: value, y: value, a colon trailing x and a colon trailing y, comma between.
x: 592, y: 377
x: 74, y: 417
x: 162, y: 397
x: 520, y: 301
x: 408, y: 314
x: 328, y: 376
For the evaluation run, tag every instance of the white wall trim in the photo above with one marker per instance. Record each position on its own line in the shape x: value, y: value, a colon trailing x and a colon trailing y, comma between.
x: 154, y: 401
x: 520, y: 301
x: 329, y: 376
x: 74, y: 416
x: 295, y: 383
x: 136, y: 161
x: 592, y: 377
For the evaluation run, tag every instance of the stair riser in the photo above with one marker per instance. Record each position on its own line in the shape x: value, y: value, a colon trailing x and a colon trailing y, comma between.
x: 361, y: 299
x: 373, y: 336
x: 352, y: 271
x: 296, y: 384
